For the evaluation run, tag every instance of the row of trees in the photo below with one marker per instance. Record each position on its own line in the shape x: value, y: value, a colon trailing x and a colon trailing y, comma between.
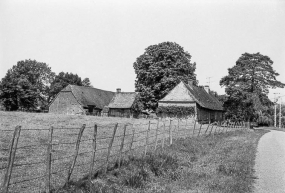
x: 162, y: 66
x: 30, y: 85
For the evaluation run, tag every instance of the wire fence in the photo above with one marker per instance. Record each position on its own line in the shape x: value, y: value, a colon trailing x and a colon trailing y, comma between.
x: 44, y: 160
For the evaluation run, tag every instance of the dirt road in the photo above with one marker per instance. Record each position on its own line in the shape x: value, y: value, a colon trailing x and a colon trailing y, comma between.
x: 270, y: 163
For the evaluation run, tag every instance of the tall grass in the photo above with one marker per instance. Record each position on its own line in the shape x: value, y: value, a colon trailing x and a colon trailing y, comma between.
x: 222, y: 163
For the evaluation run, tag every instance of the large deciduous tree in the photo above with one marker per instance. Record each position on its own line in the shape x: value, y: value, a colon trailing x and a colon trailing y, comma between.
x: 247, y: 85
x: 159, y: 69
x: 62, y: 80
x: 26, y: 85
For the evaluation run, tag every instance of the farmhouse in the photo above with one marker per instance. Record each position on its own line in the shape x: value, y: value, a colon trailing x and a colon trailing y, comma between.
x: 80, y: 100
x: 121, y: 104
x: 207, y: 108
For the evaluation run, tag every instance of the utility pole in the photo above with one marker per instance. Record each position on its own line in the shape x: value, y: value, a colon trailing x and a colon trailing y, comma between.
x: 280, y: 112
x: 275, y: 101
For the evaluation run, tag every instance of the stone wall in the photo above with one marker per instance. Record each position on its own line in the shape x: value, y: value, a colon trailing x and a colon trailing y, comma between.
x: 66, y: 103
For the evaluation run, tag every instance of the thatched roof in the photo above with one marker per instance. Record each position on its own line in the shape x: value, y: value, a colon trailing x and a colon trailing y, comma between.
x: 90, y: 96
x: 123, y: 100
x: 200, y: 96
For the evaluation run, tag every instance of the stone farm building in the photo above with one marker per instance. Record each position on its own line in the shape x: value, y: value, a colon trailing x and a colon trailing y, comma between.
x: 121, y: 104
x: 80, y: 100
x: 207, y: 107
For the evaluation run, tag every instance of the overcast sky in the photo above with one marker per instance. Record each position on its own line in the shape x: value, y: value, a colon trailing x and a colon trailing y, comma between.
x: 102, y: 39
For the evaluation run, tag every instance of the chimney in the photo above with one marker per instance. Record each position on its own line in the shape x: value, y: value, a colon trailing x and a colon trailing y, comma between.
x: 118, y: 90
x: 190, y: 82
x: 207, y: 88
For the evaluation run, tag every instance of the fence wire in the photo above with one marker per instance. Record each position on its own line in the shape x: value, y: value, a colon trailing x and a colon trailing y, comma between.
x: 112, y: 142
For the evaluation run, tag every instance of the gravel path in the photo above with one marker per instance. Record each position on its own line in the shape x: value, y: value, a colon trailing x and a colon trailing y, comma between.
x: 270, y: 163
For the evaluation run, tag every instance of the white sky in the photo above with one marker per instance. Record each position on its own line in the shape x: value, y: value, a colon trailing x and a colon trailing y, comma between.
x: 102, y: 39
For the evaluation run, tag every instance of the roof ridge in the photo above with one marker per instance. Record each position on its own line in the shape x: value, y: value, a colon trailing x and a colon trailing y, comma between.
x: 88, y: 87
x: 204, y: 98
x: 126, y: 93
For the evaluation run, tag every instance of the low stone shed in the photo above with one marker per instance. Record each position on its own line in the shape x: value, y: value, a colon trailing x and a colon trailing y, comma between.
x: 121, y: 104
x: 80, y: 100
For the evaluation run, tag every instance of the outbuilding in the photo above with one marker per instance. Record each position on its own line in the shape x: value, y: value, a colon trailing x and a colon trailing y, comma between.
x: 80, y: 100
x: 207, y: 108
x: 121, y: 104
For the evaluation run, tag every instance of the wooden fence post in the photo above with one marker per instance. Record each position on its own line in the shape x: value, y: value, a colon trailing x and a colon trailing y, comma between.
x: 207, y: 128
x: 156, y: 132
x: 12, y: 154
x: 194, y: 127
x: 178, y: 127
x: 211, y: 129
x: 220, y: 124
x: 132, y: 140
x: 163, y: 134
x: 170, y: 132
x: 200, y: 129
x: 110, y: 147
x: 146, y: 139
x: 122, y: 145
x: 75, y: 154
x: 93, y: 153
x: 48, y: 161
x: 215, y: 129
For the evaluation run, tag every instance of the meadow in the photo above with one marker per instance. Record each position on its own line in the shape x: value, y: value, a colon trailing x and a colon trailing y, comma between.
x: 30, y: 163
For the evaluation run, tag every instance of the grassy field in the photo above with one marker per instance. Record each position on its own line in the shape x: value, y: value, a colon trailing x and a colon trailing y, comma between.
x: 194, y: 160
x: 29, y: 167
x: 221, y: 163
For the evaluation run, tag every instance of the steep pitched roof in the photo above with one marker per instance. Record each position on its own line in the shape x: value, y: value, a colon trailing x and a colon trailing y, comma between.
x: 200, y: 96
x: 90, y: 96
x: 203, y: 98
x: 123, y: 100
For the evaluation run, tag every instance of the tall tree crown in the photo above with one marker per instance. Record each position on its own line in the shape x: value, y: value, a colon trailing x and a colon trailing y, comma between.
x: 247, y: 84
x: 26, y: 84
x: 159, y: 69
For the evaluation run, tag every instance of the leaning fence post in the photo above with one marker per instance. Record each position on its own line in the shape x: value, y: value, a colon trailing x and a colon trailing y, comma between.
x: 215, y: 129
x: 93, y: 153
x: 122, y: 145
x: 75, y: 153
x: 178, y: 127
x: 207, y: 128
x: 110, y: 147
x: 146, y: 139
x: 211, y: 129
x: 200, y: 129
x: 194, y: 127
x: 132, y: 140
x: 12, y: 154
x: 163, y: 134
x: 48, y: 161
x: 170, y: 132
x: 156, y: 132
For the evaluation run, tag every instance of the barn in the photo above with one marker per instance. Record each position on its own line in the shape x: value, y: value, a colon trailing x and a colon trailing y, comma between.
x: 80, y: 100
x: 207, y: 108
x: 121, y: 104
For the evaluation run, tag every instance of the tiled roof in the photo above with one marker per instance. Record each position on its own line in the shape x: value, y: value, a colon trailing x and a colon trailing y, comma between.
x: 123, y: 100
x: 191, y: 93
x: 203, y: 98
x: 90, y: 96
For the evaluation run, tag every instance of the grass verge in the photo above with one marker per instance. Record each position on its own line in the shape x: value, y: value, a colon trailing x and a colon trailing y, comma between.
x: 221, y: 163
